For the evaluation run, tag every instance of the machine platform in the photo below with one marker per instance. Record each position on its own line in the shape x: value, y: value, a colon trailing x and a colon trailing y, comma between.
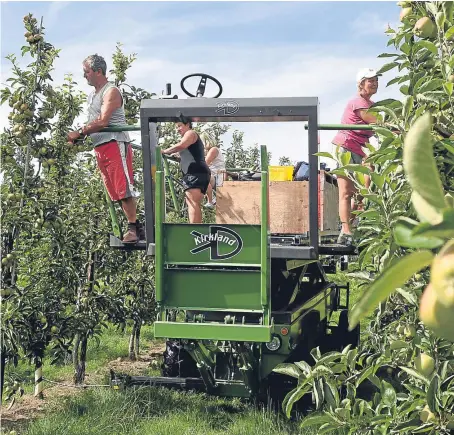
x: 290, y: 247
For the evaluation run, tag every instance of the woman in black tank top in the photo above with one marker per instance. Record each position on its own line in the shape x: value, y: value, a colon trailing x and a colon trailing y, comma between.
x: 196, y: 174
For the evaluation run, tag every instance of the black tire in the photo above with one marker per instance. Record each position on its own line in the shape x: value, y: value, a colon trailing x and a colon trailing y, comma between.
x: 178, y: 362
x: 345, y: 337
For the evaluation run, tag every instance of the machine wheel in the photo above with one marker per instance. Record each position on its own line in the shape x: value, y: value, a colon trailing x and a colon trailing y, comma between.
x: 274, y: 388
x: 178, y: 362
x: 343, y: 336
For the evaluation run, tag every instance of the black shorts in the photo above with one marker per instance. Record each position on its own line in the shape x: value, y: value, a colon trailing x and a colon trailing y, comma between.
x: 197, y: 181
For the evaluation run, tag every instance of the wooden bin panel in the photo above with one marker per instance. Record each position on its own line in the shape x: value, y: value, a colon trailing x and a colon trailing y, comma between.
x: 238, y: 202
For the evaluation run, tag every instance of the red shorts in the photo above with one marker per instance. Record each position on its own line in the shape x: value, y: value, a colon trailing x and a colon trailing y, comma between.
x: 115, y: 163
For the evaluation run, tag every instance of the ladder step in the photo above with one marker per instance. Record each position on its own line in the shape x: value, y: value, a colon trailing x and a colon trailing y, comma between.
x: 116, y: 243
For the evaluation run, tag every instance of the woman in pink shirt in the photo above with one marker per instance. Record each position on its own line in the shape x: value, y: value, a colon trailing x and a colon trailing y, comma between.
x: 353, y: 141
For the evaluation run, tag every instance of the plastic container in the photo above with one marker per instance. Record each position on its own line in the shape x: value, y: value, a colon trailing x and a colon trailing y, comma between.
x: 281, y: 173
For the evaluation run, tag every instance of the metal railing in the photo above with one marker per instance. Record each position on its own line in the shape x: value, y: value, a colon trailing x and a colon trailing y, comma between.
x: 320, y: 127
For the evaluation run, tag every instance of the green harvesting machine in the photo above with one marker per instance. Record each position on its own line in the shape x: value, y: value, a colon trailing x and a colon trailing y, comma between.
x: 234, y: 301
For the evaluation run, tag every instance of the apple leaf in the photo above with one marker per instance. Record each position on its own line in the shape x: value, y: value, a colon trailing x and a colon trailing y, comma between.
x: 387, y: 67
x: 404, y: 237
x: 415, y: 374
x: 395, y: 276
x: 444, y: 229
x: 429, y: 45
x: 449, y: 33
x: 419, y: 163
x: 432, y: 394
x: 288, y: 369
x: 357, y: 168
x: 345, y: 158
x: 325, y: 154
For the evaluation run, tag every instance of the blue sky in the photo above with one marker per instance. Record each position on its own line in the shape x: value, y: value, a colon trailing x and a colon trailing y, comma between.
x: 254, y: 48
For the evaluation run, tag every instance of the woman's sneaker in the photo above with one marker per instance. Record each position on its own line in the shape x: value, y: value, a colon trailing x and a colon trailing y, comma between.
x: 209, y: 205
x: 345, y: 239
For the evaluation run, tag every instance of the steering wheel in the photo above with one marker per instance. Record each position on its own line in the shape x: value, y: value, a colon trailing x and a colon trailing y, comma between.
x: 201, y: 89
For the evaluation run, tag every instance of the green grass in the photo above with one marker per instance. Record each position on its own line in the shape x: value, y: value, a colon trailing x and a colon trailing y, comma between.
x: 159, y: 411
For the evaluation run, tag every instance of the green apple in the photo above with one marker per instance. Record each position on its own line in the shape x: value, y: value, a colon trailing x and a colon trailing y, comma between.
x: 404, y: 13
x: 442, y: 275
x: 409, y: 331
x: 427, y: 415
x: 400, y: 329
x: 435, y: 315
x: 425, y: 364
x: 398, y: 344
x: 425, y: 28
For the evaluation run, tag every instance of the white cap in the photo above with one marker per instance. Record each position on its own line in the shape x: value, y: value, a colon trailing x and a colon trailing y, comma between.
x: 365, y: 73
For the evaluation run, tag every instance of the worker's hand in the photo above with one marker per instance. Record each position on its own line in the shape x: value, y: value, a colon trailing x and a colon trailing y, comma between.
x: 72, y: 136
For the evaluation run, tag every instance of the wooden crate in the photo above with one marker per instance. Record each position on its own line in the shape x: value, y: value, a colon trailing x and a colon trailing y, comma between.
x: 238, y: 202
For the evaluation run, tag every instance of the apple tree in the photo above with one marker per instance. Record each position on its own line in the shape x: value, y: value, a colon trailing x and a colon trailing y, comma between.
x: 406, y: 260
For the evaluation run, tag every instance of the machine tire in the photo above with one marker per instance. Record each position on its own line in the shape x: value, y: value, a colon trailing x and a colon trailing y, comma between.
x: 274, y: 388
x: 178, y: 362
x: 343, y: 335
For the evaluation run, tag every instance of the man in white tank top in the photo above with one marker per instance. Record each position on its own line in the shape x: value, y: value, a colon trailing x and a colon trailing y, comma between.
x: 113, y: 150
x: 215, y: 161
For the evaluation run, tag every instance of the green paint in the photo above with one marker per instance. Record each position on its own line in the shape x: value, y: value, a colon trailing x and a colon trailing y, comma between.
x: 176, y: 205
x: 213, y: 289
x: 119, y: 128
x: 185, y: 243
x: 213, y: 331
x: 264, y: 238
x: 113, y: 216
x: 341, y: 127
x: 159, y: 219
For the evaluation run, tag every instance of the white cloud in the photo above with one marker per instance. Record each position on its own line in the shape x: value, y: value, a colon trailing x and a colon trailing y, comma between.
x: 54, y: 11
x: 325, y: 71
x: 370, y: 24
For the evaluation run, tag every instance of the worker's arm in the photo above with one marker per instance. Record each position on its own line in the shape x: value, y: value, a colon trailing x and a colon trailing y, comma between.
x: 211, y: 155
x: 188, y: 139
x: 368, y: 118
x: 112, y: 100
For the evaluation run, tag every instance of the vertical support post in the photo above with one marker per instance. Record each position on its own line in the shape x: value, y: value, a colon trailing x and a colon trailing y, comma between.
x: 159, y: 236
x: 113, y: 216
x: 2, y: 373
x: 264, y: 233
x: 171, y: 185
x: 313, y: 179
x: 149, y: 145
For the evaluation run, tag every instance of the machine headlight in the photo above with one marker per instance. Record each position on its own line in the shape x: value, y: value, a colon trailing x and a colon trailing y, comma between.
x: 274, y: 344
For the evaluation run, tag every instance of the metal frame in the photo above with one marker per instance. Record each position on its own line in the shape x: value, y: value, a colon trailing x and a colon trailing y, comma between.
x: 250, y: 263
x: 291, y: 109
